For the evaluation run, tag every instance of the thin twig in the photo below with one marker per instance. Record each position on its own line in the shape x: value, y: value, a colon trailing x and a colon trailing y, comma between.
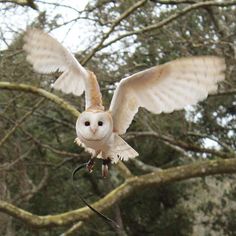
x: 41, y: 92
x: 171, y: 18
x: 21, y: 120
x: 131, y: 185
x: 73, y: 229
x: 114, y: 24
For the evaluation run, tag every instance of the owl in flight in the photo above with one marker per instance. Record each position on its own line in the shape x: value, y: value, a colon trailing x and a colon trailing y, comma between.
x: 162, y: 88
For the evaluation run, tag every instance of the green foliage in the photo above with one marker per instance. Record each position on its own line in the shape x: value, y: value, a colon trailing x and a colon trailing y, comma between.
x: 45, y: 139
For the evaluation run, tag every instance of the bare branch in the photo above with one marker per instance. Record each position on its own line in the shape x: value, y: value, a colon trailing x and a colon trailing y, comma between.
x: 224, y: 93
x: 41, y: 92
x: 180, y: 144
x: 114, y: 24
x: 29, y: 194
x: 144, y: 167
x: 23, y: 3
x: 224, y: 145
x: 56, y: 4
x: 124, y: 170
x: 7, y: 166
x: 131, y: 185
x: 173, y: 2
x: 73, y: 229
x: 18, y: 123
x: 172, y: 18
x: 39, y: 143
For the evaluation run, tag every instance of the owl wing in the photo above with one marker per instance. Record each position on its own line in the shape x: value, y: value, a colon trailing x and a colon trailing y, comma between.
x: 165, y: 88
x: 121, y: 150
x: 47, y: 55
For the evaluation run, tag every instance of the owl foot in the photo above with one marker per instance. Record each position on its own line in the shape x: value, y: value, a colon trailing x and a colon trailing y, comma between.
x: 105, y: 168
x: 90, y: 165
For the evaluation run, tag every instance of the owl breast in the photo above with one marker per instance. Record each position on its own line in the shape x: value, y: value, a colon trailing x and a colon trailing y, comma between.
x: 96, y: 144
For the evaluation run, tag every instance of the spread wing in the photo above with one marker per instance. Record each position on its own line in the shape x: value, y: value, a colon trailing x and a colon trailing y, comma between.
x: 165, y: 88
x: 47, y: 55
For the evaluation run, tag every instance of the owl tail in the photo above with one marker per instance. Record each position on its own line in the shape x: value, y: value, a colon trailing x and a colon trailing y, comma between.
x: 121, y: 150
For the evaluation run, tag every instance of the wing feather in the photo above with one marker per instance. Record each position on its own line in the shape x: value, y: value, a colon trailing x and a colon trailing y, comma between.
x: 166, y: 88
x: 47, y: 55
x: 121, y: 150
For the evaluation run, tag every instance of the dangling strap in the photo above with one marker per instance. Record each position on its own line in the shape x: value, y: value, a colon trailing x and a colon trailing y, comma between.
x: 107, y: 219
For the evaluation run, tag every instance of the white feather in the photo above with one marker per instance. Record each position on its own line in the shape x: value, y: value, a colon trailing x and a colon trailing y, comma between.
x: 165, y: 88
x: 89, y: 150
x: 47, y: 55
x: 120, y: 150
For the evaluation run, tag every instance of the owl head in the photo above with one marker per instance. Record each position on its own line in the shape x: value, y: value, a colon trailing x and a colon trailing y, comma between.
x: 94, y: 125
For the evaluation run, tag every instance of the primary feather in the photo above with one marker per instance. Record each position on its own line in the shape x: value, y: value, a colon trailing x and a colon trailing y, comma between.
x: 47, y: 55
x: 165, y: 88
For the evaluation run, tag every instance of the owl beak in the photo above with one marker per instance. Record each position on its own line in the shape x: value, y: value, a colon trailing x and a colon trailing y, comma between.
x: 93, y: 130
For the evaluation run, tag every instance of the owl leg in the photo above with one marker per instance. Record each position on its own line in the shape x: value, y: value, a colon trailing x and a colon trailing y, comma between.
x: 105, y: 168
x: 91, y: 162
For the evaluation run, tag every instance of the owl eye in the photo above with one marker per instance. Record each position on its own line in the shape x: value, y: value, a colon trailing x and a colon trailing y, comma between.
x: 100, y: 123
x: 87, y: 123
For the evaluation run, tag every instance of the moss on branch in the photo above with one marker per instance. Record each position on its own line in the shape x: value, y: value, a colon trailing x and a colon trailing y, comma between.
x: 23, y: 3
x: 41, y: 92
x: 131, y: 185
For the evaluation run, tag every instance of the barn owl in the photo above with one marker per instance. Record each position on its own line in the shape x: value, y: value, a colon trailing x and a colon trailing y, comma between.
x: 162, y: 88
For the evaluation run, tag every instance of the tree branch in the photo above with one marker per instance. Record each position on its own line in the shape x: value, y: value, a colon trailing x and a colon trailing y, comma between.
x: 124, y: 170
x: 41, y: 92
x: 181, y: 144
x: 144, y: 167
x: 172, y: 18
x: 224, y: 93
x: 131, y: 185
x: 224, y: 145
x: 73, y: 229
x: 38, y: 142
x: 29, y: 194
x: 63, y: 104
x: 18, y: 123
x: 173, y: 2
x: 114, y: 24
x: 23, y: 3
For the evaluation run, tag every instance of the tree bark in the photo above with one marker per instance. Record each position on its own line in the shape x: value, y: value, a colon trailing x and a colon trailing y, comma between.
x: 130, y: 186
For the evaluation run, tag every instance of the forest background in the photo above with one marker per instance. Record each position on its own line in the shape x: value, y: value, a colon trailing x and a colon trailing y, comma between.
x: 146, y: 196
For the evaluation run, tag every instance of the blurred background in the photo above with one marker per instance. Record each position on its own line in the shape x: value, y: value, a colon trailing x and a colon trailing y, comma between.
x: 116, y: 39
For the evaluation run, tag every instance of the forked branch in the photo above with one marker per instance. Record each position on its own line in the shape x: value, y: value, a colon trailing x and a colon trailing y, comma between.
x: 131, y: 185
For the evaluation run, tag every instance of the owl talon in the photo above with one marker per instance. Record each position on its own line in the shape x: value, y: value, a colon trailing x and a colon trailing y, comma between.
x: 90, y: 165
x: 105, y: 169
